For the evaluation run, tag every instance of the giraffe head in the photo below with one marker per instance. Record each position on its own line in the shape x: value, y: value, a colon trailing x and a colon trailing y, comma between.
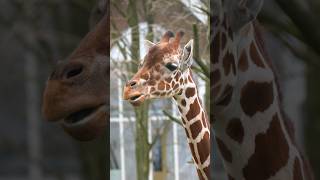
x: 77, y: 90
x: 163, y: 71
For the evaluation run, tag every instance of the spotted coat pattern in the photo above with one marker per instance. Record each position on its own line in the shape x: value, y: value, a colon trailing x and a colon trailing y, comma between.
x: 252, y: 133
x: 165, y: 73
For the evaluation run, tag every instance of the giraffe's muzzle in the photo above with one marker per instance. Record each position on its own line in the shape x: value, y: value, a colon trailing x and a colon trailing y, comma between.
x: 133, y: 96
x: 135, y: 99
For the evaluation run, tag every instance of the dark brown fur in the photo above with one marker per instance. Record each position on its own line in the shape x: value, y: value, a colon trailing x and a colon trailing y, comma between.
x: 67, y: 92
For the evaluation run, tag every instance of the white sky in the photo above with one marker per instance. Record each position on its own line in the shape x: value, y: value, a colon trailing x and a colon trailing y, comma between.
x: 193, y: 5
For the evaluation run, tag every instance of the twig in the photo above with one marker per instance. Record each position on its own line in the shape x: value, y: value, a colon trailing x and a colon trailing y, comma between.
x: 176, y: 120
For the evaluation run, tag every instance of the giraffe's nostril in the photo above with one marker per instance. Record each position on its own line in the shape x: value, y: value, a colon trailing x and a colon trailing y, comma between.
x: 132, y: 83
x: 72, y: 71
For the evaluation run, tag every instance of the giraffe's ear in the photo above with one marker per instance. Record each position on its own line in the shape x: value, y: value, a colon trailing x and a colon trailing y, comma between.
x: 242, y: 12
x: 148, y: 44
x: 187, y: 54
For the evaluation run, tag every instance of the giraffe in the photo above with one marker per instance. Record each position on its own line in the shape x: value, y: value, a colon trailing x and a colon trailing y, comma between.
x: 164, y: 73
x: 254, y: 136
x: 77, y: 90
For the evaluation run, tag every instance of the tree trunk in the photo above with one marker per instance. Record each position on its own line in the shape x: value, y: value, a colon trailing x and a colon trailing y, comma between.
x: 93, y: 155
x: 141, y: 140
x: 142, y: 146
x: 33, y: 119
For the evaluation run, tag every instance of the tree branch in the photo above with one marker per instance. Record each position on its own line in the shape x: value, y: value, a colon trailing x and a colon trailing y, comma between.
x: 304, y: 20
x: 196, y: 53
x: 176, y: 120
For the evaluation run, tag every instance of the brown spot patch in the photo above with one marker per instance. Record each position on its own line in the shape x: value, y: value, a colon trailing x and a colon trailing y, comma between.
x: 272, y: 149
x: 177, y: 78
x: 193, y: 153
x: 178, y: 75
x: 157, y: 67
x: 195, y: 128
x: 235, y: 130
x: 216, y: 91
x: 167, y: 86
x: 204, y: 147
x: 216, y: 76
x: 172, y: 83
x: 243, y: 61
x: 226, y: 96
x: 229, y: 63
x: 155, y: 56
x: 183, y: 102
x: 255, y: 57
x: 161, y: 85
x: 145, y: 76
x: 190, y: 92
x: 225, y: 152
x: 194, y: 110
x: 185, y: 81
x: 215, y: 49
x: 175, y: 86
x: 297, y: 174
x: 152, y: 82
x: 168, y: 79
x: 256, y: 97
x: 157, y: 77
x: 207, y: 172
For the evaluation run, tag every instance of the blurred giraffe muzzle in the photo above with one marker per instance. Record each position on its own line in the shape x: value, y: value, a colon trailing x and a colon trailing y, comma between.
x: 132, y: 93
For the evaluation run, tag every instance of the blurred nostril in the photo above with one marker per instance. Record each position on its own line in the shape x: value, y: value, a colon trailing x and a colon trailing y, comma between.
x: 132, y: 83
x: 73, y: 71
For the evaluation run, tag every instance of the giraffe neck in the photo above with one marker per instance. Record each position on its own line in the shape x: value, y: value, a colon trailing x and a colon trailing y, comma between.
x: 251, y: 130
x: 196, y: 125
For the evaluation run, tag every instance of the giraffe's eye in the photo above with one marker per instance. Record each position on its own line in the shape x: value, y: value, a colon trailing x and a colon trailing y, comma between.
x: 171, y: 66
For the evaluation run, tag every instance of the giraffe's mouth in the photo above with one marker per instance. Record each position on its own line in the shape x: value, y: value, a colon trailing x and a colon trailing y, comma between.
x: 136, y: 97
x: 84, y: 115
x: 86, y: 123
x: 136, y: 100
